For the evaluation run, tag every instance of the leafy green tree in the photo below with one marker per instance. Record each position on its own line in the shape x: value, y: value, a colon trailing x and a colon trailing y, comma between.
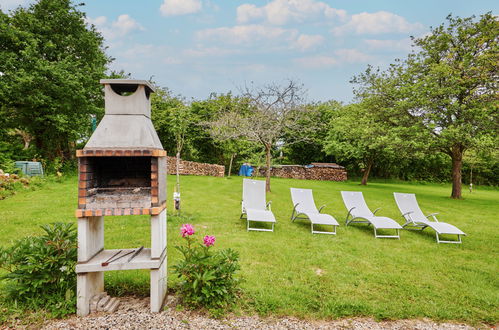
x: 172, y: 119
x: 50, y: 63
x: 451, y: 88
x: 309, y: 147
x: 374, y: 130
x: 356, y: 135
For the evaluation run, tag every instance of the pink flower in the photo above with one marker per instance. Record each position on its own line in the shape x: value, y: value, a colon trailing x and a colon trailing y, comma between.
x: 187, y: 230
x: 209, y: 240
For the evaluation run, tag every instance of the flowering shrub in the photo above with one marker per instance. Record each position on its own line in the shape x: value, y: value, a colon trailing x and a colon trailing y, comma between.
x: 209, y: 240
x: 207, y: 276
x: 187, y: 230
x: 40, y: 270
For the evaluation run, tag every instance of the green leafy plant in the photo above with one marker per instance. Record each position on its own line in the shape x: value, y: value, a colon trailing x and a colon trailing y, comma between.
x: 41, y: 270
x: 207, y: 277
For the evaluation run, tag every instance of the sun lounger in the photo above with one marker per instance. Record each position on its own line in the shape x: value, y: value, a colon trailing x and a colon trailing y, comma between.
x: 254, y: 207
x: 415, y: 219
x: 358, y: 209
x: 304, y: 208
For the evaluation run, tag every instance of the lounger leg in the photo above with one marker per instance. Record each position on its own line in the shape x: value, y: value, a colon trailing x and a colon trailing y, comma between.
x: 386, y: 236
x: 323, y: 232
x: 451, y: 242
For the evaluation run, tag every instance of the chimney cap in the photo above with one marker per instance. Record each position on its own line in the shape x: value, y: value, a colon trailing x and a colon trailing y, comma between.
x: 128, y: 85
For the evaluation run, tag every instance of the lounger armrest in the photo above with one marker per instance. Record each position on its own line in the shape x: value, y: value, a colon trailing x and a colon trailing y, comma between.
x: 348, y: 214
x: 269, y: 206
x: 242, y: 207
x: 295, y: 212
x: 407, y: 217
x: 379, y: 208
x: 320, y: 208
x: 433, y: 215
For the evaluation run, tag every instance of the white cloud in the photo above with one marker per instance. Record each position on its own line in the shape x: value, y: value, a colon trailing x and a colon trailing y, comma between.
x: 180, y: 7
x: 317, y: 62
x: 13, y: 4
x: 306, y: 42
x: 248, y: 12
x: 170, y: 60
x: 280, y: 12
x: 389, y: 45
x: 377, y: 23
x: 123, y: 25
x: 339, y: 57
x: 352, y: 56
x: 246, y: 34
x: 210, y: 51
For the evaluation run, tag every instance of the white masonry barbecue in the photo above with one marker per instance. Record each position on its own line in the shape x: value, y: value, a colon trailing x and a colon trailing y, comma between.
x: 122, y: 171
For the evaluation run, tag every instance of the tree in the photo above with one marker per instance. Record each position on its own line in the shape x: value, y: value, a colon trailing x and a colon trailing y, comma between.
x: 174, y: 114
x: 272, y: 109
x: 50, y: 64
x: 374, y: 129
x: 358, y: 134
x: 451, y: 86
x: 220, y: 131
x: 307, y: 144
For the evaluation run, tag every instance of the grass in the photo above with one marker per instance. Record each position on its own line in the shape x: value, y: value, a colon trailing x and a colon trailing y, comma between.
x: 290, y: 271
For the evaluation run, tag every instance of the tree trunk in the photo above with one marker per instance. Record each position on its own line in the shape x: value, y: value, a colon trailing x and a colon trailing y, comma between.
x: 177, y: 164
x: 267, y: 171
x: 230, y: 164
x: 367, y: 170
x: 457, y: 163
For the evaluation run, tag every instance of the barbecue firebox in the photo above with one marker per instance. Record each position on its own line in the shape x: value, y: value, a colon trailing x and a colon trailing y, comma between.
x: 122, y: 171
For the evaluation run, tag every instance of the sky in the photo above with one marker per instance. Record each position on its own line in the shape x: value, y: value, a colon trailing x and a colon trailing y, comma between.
x: 197, y: 47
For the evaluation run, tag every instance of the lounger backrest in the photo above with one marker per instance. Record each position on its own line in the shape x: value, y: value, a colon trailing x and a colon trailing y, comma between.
x: 254, y: 194
x: 408, y: 203
x: 355, y: 199
x: 305, y: 200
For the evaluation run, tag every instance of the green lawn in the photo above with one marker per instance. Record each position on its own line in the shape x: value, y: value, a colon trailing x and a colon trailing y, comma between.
x: 292, y: 272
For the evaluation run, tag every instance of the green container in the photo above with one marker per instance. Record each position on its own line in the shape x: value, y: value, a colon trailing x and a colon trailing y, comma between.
x: 30, y: 168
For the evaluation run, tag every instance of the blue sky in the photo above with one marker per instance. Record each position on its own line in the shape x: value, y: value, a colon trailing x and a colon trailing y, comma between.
x: 195, y: 47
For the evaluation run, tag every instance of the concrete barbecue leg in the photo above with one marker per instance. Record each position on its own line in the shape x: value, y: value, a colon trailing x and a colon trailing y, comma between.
x: 90, y: 237
x: 88, y: 285
x: 158, y: 234
x: 158, y: 287
x: 90, y: 242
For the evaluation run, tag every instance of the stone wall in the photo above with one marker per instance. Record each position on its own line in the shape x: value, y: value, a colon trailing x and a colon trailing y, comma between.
x: 194, y: 168
x: 315, y: 171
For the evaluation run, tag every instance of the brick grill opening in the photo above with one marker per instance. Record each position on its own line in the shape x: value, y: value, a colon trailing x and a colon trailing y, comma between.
x: 120, y: 185
x: 119, y: 182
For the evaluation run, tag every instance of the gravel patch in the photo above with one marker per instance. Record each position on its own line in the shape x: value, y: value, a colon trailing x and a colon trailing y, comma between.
x: 134, y: 313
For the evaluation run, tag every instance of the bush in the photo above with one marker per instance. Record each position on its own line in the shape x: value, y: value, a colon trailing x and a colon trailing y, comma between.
x: 41, y: 270
x: 207, y: 277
